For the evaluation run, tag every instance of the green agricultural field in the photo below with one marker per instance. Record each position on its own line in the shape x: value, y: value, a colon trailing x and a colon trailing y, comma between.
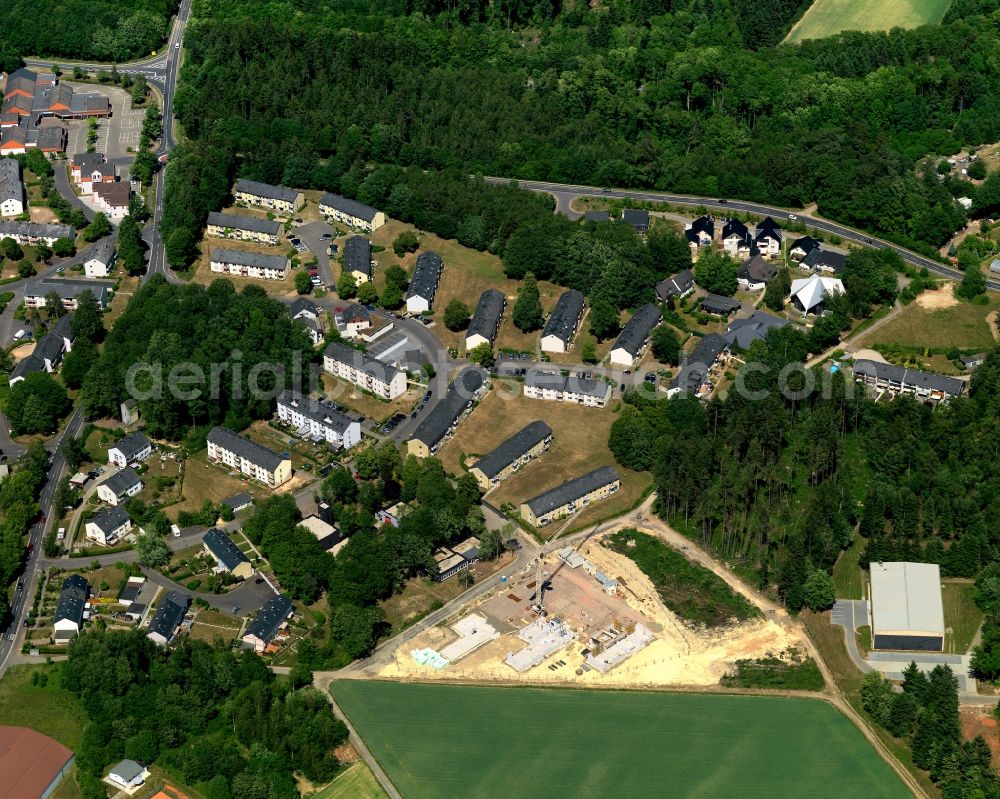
x: 830, y: 17
x: 471, y: 742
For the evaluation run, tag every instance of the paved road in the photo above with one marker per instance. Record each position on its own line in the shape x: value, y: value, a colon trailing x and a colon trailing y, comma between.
x: 564, y: 195
x: 61, y: 180
x: 310, y: 234
x: 851, y: 614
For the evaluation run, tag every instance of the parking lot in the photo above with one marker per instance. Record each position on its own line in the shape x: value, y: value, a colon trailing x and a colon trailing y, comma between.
x: 115, y: 135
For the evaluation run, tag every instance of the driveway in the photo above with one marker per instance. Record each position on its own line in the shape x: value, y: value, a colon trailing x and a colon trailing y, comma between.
x: 310, y: 234
x: 851, y: 614
x: 249, y: 596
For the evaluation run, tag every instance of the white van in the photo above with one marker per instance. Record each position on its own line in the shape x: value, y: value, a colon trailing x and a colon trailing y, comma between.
x: 20, y: 334
x: 175, y: 530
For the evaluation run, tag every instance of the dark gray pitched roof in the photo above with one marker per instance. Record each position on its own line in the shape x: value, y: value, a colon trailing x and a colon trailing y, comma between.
x: 574, y: 489
x: 252, y: 223
x: 169, y: 614
x: 225, y: 255
x: 111, y: 518
x: 62, y: 327
x: 303, y: 305
x: 131, y: 445
x: 123, y: 480
x: 539, y: 378
x: 223, y: 549
x: 426, y: 275
x: 50, y: 348
x: 734, y: 227
x: 266, y: 190
x: 675, y: 285
x: 835, y: 261
x: 909, y: 377
x: 744, y: 332
x: 437, y: 423
x: 103, y: 251
x: 703, y: 224
x: 37, y: 230
x: 257, y: 454
x: 322, y: 411
x: 72, y: 599
x: 717, y: 304
x: 486, y: 319
x: 268, y: 620
x: 757, y: 270
x: 67, y: 288
x: 11, y: 187
x: 360, y: 360
x: 238, y: 500
x: 513, y: 448
x: 636, y: 217
x: 349, y: 207
x: 692, y: 374
x: 807, y: 244
x: 358, y: 255
x: 637, y: 329
x: 27, y: 366
x: 565, y: 316
x: 767, y: 229
x: 596, y: 216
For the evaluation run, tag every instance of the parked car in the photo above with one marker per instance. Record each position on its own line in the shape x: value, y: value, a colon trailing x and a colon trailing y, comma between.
x: 61, y: 534
x: 325, y: 237
x: 294, y: 240
x: 793, y: 217
x: 20, y: 334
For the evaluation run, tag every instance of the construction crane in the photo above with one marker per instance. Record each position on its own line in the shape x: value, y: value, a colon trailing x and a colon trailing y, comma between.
x: 540, y: 589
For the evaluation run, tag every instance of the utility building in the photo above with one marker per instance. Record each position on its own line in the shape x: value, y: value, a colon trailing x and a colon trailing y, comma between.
x: 907, y: 611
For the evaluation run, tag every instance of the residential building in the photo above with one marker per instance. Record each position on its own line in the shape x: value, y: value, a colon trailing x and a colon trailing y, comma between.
x: 67, y: 289
x: 800, y: 248
x: 132, y: 448
x: 596, y: 216
x: 129, y: 412
x: 676, y: 286
x: 238, y: 502
x: 268, y: 622
x: 109, y: 526
x: 970, y: 362
x: 130, y: 592
x: 820, y: 260
x: 767, y: 238
x: 452, y: 560
x: 570, y: 497
x: 925, y: 386
x: 744, y: 332
x: 263, y: 195
x: 32, y: 233
x: 358, y: 215
x: 313, y: 328
x: 486, y: 320
x: 636, y: 218
x: 120, y: 486
x: 737, y: 242
x: 755, y: 273
x: 719, y: 305
x: 318, y: 420
x: 540, y: 384
x: 907, y: 611
x: 100, y: 259
x: 701, y: 232
x: 168, y: 617
x: 228, y: 557
x: 694, y: 376
x: 70, y: 609
x: 326, y: 533
x: 809, y: 293
x: 632, y: 340
x: 358, y: 258
x: 424, y: 282
x: 527, y: 443
x: 444, y: 418
x: 371, y: 374
x: 561, y: 326
x: 89, y: 169
x: 252, y: 459
x: 128, y: 775
x: 243, y: 228
x: 303, y: 308
x: 249, y: 264
x: 11, y: 188
x: 352, y: 319
x: 112, y: 199
x: 48, y: 353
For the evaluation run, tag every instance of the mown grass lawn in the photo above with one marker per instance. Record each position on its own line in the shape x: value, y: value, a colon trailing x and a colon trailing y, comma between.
x: 357, y: 782
x: 830, y: 17
x: 962, y: 616
x: 483, y: 742
x: 963, y: 325
x: 49, y: 709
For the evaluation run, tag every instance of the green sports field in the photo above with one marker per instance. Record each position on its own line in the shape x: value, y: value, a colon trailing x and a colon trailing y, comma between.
x: 470, y: 742
x: 830, y: 17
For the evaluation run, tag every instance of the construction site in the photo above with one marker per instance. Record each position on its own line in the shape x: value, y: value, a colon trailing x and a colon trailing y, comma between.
x: 585, y: 616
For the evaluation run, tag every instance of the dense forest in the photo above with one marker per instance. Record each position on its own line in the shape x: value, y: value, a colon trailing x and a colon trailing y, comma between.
x: 167, y: 326
x: 687, y: 96
x: 83, y: 30
x: 216, y: 717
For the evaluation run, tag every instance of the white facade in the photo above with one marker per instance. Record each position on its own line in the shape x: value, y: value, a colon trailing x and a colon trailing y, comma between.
x: 11, y: 207
x: 262, y: 267
x: 118, y: 458
x: 106, y: 494
x: 97, y: 267
x: 379, y: 378
x: 297, y: 412
x: 109, y: 539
